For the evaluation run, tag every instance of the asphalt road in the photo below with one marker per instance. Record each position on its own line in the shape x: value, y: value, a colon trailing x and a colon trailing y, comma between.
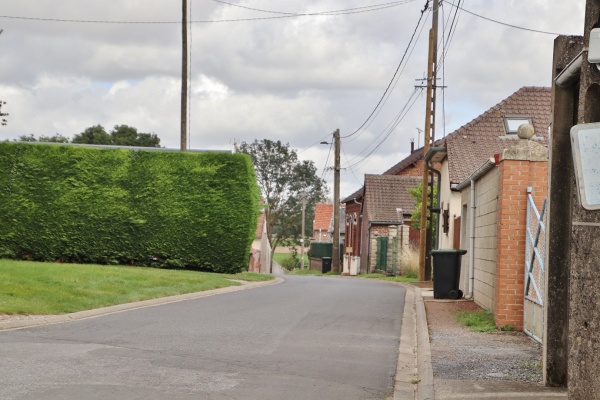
x: 307, y: 338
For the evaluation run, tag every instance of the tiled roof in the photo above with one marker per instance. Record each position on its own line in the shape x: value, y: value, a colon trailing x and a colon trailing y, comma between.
x: 413, y: 158
x: 407, y: 162
x: 386, y: 194
x: 472, y: 144
x: 323, y: 213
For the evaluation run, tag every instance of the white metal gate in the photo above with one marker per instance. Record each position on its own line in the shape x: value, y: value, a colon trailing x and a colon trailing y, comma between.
x: 533, y: 318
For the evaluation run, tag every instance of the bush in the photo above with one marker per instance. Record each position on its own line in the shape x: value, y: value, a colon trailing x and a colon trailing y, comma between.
x: 117, y: 206
x: 409, y: 261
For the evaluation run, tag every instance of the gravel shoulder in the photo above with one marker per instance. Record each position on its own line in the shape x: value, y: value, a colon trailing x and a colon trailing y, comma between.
x: 459, y: 354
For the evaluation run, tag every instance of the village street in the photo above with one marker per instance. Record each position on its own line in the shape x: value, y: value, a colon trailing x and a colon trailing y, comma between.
x: 306, y: 338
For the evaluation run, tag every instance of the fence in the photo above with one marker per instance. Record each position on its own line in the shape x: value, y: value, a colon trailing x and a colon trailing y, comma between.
x: 533, y: 310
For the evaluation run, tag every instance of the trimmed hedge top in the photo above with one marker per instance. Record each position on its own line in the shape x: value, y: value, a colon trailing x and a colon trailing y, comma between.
x: 117, y: 206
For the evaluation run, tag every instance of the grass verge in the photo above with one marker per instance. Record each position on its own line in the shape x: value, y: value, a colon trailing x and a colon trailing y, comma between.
x: 304, y: 271
x: 477, y: 321
x: 399, y: 278
x: 50, y: 288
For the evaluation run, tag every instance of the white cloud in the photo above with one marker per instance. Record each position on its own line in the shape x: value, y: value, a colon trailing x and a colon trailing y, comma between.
x: 289, y: 79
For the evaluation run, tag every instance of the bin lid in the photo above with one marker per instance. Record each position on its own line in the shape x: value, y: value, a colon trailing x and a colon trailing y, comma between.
x: 449, y: 251
x: 326, y: 258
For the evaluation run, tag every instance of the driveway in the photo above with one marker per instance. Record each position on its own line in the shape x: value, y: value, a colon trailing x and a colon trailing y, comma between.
x: 307, y: 338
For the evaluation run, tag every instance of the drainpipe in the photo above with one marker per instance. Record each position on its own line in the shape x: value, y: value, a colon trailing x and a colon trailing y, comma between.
x: 437, y: 208
x: 471, y: 293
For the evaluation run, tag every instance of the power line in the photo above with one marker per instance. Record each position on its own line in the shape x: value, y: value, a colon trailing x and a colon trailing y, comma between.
x: 286, y: 15
x: 504, y: 23
x: 407, y: 107
x: 367, y: 8
x: 395, y: 73
x: 351, y: 170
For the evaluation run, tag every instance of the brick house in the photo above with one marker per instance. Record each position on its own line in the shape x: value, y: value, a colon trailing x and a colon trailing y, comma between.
x: 378, y: 227
x: 322, y: 222
x: 411, y: 166
x: 485, y: 171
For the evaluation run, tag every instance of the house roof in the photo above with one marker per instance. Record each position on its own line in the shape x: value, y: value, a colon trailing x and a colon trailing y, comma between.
x: 323, y: 213
x: 472, y: 144
x: 413, y: 158
x: 386, y: 195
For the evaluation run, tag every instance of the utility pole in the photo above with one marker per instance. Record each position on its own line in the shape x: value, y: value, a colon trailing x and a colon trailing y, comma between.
x: 424, y: 259
x: 335, y: 257
x: 184, y: 77
x: 303, y: 216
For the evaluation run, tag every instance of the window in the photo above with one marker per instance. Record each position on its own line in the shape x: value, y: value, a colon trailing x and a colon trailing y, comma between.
x: 512, y: 123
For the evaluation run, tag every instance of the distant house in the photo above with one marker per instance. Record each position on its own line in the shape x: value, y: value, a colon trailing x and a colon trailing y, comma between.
x: 387, y: 209
x: 322, y: 223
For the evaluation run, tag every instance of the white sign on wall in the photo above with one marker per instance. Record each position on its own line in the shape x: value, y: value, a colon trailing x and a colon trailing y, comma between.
x: 585, y: 140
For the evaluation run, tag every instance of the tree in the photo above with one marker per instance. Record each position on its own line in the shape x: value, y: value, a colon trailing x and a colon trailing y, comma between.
x: 57, y: 138
x: 283, y: 181
x: 121, y: 135
x: 416, y: 194
x: 3, y: 120
x: 93, y: 135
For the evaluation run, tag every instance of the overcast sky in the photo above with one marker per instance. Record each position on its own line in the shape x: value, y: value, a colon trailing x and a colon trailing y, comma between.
x: 66, y: 65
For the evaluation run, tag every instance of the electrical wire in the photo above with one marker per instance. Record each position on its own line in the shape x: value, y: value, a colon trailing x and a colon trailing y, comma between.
x: 391, y: 4
x: 395, y: 73
x: 392, y: 126
x: 291, y: 15
x: 327, y: 160
x: 351, y: 169
x: 504, y: 23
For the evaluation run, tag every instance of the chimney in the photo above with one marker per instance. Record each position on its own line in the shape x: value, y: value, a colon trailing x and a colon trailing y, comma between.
x: 412, y: 146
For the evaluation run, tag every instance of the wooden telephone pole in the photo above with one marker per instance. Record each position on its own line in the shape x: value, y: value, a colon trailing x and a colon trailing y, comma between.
x: 184, y: 76
x: 424, y: 259
x: 335, y: 262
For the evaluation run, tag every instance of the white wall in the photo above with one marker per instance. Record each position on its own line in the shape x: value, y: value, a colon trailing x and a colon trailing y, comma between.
x: 453, y: 199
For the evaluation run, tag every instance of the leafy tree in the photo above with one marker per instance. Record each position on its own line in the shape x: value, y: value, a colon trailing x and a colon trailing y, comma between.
x: 284, y: 181
x: 3, y: 120
x: 416, y: 194
x: 93, y: 135
x: 57, y: 138
x: 121, y: 135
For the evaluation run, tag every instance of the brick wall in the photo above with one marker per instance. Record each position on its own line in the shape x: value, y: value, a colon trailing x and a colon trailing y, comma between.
x: 515, y: 177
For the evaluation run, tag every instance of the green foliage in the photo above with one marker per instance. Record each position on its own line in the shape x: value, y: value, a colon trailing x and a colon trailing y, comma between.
x: 284, y: 181
x: 477, y: 321
x: 121, y: 135
x: 3, y: 120
x: 417, y: 194
x: 114, y: 206
x: 57, y: 138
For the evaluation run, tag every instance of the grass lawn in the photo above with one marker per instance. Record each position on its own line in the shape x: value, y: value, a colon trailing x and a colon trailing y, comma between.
x: 281, y: 258
x: 50, y: 288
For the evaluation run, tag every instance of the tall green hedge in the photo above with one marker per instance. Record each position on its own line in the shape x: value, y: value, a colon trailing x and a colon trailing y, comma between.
x: 118, y: 206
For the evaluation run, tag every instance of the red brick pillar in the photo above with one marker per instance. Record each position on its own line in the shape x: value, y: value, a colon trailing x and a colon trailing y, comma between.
x: 522, y: 166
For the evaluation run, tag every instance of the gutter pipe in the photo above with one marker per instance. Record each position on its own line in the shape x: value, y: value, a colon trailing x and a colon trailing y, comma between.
x: 570, y: 74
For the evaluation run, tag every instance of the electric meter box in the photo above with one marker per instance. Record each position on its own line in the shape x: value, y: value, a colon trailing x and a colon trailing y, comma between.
x: 585, y: 143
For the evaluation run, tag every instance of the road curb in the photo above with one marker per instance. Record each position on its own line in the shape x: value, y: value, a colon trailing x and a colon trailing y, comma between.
x: 425, y: 387
x: 407, y: 374
x: 58, y: 319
